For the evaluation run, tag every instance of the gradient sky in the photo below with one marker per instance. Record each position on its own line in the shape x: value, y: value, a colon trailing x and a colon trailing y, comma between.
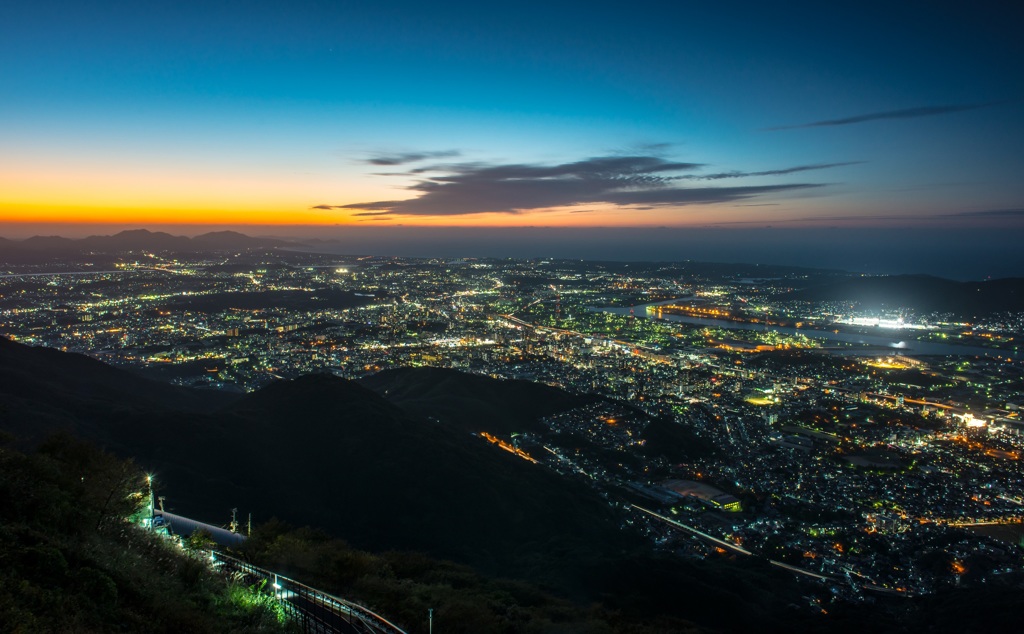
x: 534, y: 114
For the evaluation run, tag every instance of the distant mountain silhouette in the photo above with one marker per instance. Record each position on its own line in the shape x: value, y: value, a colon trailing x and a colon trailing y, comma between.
x: 922, y: 293
x: 44, y: 243
x: 43, y: 248
x: 234, y: 239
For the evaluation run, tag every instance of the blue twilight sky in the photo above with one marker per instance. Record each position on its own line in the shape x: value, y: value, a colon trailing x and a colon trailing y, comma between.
x: 899, y: 116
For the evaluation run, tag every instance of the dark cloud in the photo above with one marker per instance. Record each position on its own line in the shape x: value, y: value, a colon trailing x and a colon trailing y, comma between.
x: 402, y: 158
x: 907, y: 113
x: 473, y: 188
x: 701, y: 195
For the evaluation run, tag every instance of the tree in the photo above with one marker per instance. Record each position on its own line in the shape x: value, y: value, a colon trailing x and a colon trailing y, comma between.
x: 105, y: 489
x: 200, y: 540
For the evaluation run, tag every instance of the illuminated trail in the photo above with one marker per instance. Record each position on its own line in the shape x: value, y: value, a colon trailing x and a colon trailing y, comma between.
x: 800, y: 571
x: 507, y: 447
x: 915, y: 401
x: 701, y: 534
x: 571, y: 464
x: 1011, y: 521
x: 725, y: 544
x: 60, y: 273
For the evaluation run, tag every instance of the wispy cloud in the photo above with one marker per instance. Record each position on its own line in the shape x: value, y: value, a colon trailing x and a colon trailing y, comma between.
x: 402, y: 158
x: 778, y: 172
x: 474, y: 188
x: 991, y: 213
x: 957, y: 218
x: 906, y: 113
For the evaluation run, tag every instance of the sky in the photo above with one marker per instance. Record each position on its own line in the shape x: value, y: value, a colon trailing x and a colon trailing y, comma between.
x: 343, y: 118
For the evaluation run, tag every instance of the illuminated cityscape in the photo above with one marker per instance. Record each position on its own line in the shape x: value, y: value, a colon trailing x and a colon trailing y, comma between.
x: 886, y: 466
x: 525, y: 318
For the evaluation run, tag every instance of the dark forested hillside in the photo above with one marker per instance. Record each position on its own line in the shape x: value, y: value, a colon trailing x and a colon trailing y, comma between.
x: 323, y: 451
x: 472, y: 403
x: 70, y: 561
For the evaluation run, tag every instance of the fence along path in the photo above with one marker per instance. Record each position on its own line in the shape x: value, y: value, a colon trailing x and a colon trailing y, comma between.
x: 317, y: 612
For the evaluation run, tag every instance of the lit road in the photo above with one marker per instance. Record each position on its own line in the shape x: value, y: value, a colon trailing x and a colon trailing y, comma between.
x: 1008, y: 521
x: 86, y: 273
x: 914, y: 401
x: 800, y: 571
x: 60, y: 273
x: 724, y: 544
x: 698, y: 533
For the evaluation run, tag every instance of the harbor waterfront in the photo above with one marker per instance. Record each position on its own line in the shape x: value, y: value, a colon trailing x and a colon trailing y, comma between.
x: 859, y: 344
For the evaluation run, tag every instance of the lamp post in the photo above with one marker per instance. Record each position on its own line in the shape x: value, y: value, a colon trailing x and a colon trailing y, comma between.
x: 152, y: 504
x: 430, y: 620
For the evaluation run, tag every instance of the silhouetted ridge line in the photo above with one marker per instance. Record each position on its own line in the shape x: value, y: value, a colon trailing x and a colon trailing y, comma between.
x: 43, y: 248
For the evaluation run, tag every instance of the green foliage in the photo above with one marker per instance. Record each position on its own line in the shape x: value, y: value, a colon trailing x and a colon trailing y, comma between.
x: 70, y: 562
x: 199, y: 541
x: 97, y: 585
x: 403, y: 586
x: 99, y: 489
x: 258, y: 603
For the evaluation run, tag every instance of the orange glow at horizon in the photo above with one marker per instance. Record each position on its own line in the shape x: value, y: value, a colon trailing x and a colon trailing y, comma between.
x: 145, y: 195
x: 74, y: 191
x: 272, y: 210
x: 77, y: 192
x: 24, y: 214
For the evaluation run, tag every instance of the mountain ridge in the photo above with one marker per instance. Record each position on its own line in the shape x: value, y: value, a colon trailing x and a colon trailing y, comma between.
x: 37, y: 249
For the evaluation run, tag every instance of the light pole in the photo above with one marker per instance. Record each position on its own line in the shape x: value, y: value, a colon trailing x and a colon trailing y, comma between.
x: 152, y: 503
x: 430, y: 620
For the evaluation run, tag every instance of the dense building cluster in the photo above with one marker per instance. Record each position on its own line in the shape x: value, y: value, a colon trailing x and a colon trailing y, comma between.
x: 870, y: 451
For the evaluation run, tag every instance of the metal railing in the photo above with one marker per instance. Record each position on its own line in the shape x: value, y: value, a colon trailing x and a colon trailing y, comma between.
x: 317, y: 612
